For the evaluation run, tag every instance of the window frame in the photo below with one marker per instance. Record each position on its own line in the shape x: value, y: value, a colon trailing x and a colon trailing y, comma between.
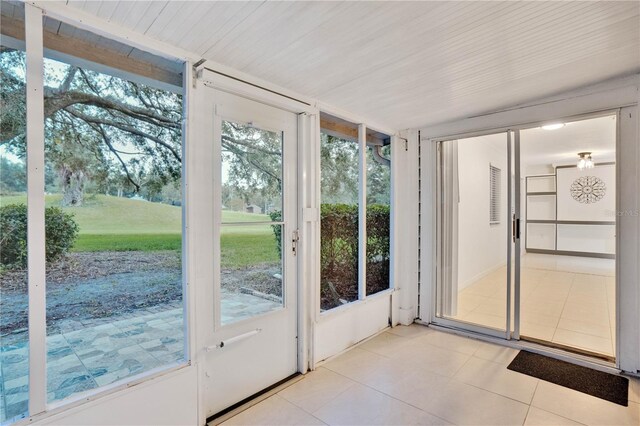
x: 39, y: 407
x: 362, y: 221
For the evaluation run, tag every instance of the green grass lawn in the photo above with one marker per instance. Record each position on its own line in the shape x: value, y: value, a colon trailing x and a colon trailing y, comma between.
x: 120, y: 224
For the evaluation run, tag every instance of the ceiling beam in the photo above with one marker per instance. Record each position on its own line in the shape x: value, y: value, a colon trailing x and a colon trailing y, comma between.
x: 345, y: 131
x: 86, y: 51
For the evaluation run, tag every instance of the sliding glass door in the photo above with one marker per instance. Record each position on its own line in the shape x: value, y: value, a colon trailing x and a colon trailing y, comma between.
x: 474, y: 234
x: 567, y: 282
x: 526, y: 234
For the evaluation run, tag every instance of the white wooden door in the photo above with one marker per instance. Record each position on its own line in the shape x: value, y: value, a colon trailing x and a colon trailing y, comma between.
x: 247, y: 323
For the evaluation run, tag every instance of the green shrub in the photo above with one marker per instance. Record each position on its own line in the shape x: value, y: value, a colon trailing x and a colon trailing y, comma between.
x: 276, y: 216
x: 339, y: 250
x: 60, y: 229
x: 13, y: 235
x: 338, y: 254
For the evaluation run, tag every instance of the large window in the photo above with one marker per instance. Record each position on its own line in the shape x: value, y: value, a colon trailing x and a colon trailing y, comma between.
x: 378, y: 217
x: 14, y: 329
x: 112, y: 214
x: 113, y: 193
x: 339, y: 221
x: 342, y: 243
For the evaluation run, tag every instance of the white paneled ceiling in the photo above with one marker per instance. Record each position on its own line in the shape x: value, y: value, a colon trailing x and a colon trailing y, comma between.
x: 403, y: 64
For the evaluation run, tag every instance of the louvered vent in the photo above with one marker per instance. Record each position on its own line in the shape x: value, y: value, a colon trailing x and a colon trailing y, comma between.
x: 494, y: 194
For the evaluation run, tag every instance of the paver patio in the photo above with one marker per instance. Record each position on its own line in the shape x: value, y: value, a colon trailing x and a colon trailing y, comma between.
x: 95, y: 353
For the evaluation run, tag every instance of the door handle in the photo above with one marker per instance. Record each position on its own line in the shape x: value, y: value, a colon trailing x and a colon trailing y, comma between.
x: 294, y: 242
x: 515, y: 228
x: 234, y: 339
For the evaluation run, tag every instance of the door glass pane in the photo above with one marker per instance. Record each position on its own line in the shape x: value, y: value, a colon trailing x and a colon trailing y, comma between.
x: 473, y: 239
x: 378, y: 218
x: 251, y: 270
x: 568, y: 250
x: 14, y: 336
x: 339, y: 221
x: 114, y: 220
x: 251, y: 174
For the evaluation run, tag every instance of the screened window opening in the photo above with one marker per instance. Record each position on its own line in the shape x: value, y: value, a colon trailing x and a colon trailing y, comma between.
x: 378, y: 217
x: 113, y: 184
x: 14, y: 302
x: 341, y: 214
x: 113, y: 213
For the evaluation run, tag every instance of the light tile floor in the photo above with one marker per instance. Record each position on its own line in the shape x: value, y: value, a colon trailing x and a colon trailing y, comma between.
x: 94, y: 353
x: 564, y: 299
x: 415, y: 375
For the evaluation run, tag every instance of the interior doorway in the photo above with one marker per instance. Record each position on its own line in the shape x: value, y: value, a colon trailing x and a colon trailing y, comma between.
x: 568, y: 249
x: 526, y: 234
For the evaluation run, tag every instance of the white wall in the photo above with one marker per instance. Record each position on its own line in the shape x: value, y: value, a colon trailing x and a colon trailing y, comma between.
x: 481, y: 245
x: 167, y: 400
x: 337, y: 331
x: 570, y: 209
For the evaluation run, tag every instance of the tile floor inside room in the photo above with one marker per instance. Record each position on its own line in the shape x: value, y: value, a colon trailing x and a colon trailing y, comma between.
x: 416, y: 375
x: 564, y: 299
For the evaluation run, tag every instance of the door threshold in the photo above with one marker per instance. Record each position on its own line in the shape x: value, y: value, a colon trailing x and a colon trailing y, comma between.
x: 597, y: 363
x: 252, y: 400
x: 567, y: 348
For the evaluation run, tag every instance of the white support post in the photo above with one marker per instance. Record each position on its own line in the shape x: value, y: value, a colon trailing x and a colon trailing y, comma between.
x: 305, y: 261
x: 35, y: 212
x: 315, y: 200
x: 188, y: 290
x: 394, y: 200
x: 362, y: 212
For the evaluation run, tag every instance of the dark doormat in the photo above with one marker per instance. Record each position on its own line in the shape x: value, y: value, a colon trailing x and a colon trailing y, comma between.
x: 586, y: 380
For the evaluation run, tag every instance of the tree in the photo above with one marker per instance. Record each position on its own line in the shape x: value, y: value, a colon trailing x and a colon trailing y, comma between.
x: 13, y: 176
x: 339, y: 175
x: 96, y: 123
x: 252, y: 164
x: 378, y: 178
x: 92, y: 121
x: 103, y: 129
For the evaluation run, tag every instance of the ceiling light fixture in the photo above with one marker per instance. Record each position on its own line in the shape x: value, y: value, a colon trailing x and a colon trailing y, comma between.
x: 553, y: 126
x: 585, y: 161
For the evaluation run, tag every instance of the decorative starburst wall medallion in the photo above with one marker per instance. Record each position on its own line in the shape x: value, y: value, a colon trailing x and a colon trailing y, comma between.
x: 588, y: 189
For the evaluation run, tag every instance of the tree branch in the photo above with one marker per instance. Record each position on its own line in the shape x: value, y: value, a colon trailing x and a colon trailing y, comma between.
x: 107, y: 141
x: 55, y: 101
x: 124, y: 127
x: 228, y: 139
x: 244, y: 155
x: 66, y: 83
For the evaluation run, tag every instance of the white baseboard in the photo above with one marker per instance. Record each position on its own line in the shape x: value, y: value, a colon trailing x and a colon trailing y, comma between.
x: 480, y: 276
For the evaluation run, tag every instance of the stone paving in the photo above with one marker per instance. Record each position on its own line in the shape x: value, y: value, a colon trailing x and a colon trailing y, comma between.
x: 101, y: 352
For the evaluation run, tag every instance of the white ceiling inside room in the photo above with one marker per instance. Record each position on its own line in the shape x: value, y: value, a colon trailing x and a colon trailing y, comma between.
x: 404, y: 64
x: 561, y: 146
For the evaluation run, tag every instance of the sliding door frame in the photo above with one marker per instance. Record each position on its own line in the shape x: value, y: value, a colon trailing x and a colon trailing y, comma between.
x: 517, y: 233
x: 517, y: 294
x: 515, y: 201
x: 438, y: 252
